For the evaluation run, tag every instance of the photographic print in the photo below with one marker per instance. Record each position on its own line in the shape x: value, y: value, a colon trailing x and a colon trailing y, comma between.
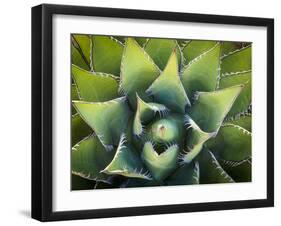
x: 159, y: 112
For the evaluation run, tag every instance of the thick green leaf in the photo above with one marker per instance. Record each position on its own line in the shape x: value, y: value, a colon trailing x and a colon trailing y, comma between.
x: 239, y: 60
x: 108, y: 119
x: 89, y: 157
x: 195, y: 140
x: 245, y: 121
x: 160, y: 165
x: 79, y: 129
x: 232, y: 143
x: 160, y: 50
x: 195, y: 48
x: 183, y: 42
x: 185, y: 175
x: 138, y: 71
x: 210, y: 170
x: 167, y: 89
x: 144, y: 113
x: 210, y: 108
x: 120, y: 39
x: 79, y: 183
x: 228, y: 47
x: 127, y: 162
x: 239, y: 171
x: 74, y: 96
x: 106, y: 54
x: 141, y: 41
x: 95, y: 86
x: 242, y: 102
x: 84, y: 43
x: 77, y: 59
x: 202, y: 73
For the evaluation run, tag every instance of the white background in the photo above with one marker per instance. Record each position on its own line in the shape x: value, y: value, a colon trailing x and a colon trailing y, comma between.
x: 15, y: 112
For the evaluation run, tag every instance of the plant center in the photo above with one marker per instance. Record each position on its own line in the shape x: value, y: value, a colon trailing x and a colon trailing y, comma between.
x: 164, y: 131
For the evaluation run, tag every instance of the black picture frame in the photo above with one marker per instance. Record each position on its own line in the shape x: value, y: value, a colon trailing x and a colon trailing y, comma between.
x: 42, y: 111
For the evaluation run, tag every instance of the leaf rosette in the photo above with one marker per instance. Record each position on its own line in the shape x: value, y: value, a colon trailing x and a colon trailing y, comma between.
x: 150, y: 112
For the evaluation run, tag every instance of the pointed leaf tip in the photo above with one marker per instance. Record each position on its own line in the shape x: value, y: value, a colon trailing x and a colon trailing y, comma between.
x: 202, y: 73
x: 108, y: 119
x: 167, y: 89
x: 136, y: 77
x: 210, y: 108
x: 127, y: 162
x: 160, y: 165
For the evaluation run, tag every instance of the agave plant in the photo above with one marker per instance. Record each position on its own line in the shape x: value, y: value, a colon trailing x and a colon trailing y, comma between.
x: 152, y: 112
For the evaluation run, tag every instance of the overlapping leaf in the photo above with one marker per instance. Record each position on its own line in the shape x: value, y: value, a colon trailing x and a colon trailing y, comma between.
x: 160, y: 50
x: 202, y: 73
x: 242, y: 103
x: 210, y: 108
x: 144, y: 113
x: 195, y: 48
x: 79, y: 129
x: 160, y: 165
x: 89, y: 157
x: 138, y: 71
x: 167, y: 89
x: 96, y: 87
x: 186, y: 174
x: 108, y: 119
x: 238, y: 60
x: 195, y: 140
x: 106, y: 54
x: 210, y: 169
x: 232, y: 143
x: 127, y: 162
x: 84, y: 44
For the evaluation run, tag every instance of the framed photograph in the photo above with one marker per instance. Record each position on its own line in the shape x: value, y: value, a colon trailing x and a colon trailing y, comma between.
x: 147, y: 112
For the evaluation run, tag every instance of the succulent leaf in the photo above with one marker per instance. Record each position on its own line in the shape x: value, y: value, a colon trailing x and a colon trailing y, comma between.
x: 108, y: 119
x: 106, y: 54
x: 84, y: 43
x: 232, y: 143
x: 210, y: 108
x: 145, y: 112
x: 238, y: 60
x: 244, y: 121
x: 160, y: 165
x: 95, y: 87
x: 77, y: 59
x: 141, y: 41
x: 185, y: 175
x: 244, y: 100
x: 160, y: 50
x: 210, y: 169
x: 74, y: 96
x: 239, y: 171
x: 167, y: 89
x: 195, y: 140
x: 138, y: 71
x: 79, y: 183
x: 183, y: 43
x: 89, y: 157
x: 133, y: 96
x: 79, y: 129
x: 195, y: 48
x: 127, y: 162
x: 228, y: 47
x: 201, y: 74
